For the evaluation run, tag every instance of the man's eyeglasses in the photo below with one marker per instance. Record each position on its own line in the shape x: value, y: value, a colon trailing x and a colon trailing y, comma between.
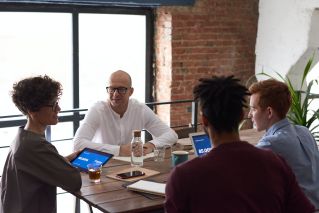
x: 54, y: 106
x: 120, y: 90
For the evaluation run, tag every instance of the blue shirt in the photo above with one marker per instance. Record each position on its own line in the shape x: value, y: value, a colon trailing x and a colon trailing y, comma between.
x: 298, y: 147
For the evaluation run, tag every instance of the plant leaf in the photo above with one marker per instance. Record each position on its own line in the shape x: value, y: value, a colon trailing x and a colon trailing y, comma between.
x: 299, y: 112
x: 307, y: 69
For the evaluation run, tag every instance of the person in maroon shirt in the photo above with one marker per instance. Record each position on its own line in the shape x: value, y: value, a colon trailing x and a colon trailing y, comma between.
x: 234, y: 176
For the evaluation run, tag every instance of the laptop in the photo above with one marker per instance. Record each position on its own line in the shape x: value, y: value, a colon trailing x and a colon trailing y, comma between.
x: 201, y: 143
x: 87, y: 156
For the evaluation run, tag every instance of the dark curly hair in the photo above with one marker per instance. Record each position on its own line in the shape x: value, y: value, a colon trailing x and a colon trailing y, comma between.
x: 221, y: 100
x: 30, y: 94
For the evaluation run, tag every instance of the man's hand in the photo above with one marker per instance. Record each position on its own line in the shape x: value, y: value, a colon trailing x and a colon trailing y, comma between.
x: 125, y: 150
x: 148, y: 148
x: 72, y: 156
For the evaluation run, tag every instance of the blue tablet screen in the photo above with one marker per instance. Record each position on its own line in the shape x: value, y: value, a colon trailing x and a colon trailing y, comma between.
x: 202, y: 144
x: 88, y: 156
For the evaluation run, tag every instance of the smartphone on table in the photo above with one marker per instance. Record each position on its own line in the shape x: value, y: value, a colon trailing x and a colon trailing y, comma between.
x: 130, y: 174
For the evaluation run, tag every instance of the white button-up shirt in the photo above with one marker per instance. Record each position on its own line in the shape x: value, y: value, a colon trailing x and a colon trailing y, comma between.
x: 104, y: 130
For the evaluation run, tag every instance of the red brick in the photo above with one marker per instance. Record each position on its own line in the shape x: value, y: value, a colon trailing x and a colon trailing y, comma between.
x: 214, y: 37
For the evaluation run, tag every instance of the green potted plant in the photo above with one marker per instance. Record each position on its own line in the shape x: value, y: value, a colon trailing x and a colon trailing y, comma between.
x: 300, y: 112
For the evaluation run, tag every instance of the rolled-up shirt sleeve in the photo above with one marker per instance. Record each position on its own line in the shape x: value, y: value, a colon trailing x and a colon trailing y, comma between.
x: 162, y: 134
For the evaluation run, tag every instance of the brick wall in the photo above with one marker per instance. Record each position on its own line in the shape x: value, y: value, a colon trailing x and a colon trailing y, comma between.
x: 212, y: 37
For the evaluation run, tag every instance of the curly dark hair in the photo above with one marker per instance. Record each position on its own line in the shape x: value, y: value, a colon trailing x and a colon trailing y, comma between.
x: 30, y: 94
x: 221, y: 100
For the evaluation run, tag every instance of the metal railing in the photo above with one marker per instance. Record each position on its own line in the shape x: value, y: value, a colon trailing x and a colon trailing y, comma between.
x: 76, y: 115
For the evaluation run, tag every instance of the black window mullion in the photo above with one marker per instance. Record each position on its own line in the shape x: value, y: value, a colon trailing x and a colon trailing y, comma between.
x: 76, y: 78
x: 75, y: 10
x: 149, y: 57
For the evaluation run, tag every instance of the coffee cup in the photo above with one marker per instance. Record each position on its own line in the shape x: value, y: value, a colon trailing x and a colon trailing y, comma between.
x: 178, y: 157
x: 95, y: 170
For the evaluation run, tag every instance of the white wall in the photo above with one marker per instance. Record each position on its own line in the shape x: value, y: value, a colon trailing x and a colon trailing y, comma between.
x: 288, y: 34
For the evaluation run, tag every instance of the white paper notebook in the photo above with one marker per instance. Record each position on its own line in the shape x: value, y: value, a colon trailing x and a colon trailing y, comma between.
x: 148, y: 186
x: 128, y: 159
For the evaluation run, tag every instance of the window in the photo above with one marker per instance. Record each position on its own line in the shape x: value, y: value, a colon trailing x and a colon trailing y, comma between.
x: 76, y: 46
x: 33, y: 44
x: 113, y: 42
x: 79, y: 49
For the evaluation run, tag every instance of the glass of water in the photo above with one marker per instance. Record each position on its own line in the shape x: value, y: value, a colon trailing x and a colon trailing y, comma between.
x: 159, y: 153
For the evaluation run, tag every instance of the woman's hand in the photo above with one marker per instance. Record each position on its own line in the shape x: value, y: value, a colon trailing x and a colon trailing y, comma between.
x: 72, y: 156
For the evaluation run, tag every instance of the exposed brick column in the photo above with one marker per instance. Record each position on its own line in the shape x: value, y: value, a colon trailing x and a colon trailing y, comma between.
x: 213, y: 37
x: 163, y: 68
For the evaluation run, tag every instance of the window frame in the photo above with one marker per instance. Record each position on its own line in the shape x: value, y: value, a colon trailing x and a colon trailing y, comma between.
x: 75, y: 10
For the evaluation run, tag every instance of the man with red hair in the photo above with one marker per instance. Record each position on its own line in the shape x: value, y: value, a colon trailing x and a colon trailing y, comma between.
x: 269, y: 103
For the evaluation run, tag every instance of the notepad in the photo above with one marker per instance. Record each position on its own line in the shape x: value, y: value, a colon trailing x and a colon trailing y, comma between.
x: 148, y: 187
x: 128, y: 159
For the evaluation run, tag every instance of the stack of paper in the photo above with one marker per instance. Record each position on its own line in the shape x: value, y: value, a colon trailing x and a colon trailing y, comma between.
x: 128, y: 159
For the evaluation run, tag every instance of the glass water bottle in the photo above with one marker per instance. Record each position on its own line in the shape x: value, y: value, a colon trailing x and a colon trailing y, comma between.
x: 137, y: 149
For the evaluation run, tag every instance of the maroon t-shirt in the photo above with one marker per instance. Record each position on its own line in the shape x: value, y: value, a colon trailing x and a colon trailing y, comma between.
x: 235, y: 177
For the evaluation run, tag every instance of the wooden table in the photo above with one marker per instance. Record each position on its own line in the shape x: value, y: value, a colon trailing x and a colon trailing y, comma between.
x: 251, y: 135
x: 111, y: 196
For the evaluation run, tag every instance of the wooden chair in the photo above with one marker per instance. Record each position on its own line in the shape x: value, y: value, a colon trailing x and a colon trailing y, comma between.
x: 184, y: 132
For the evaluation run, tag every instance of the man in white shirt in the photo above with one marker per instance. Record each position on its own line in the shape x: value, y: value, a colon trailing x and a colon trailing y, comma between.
x: 108, y: 125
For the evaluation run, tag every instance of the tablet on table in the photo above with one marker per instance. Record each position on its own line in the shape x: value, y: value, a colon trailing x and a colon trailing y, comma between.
x: 87, y: 156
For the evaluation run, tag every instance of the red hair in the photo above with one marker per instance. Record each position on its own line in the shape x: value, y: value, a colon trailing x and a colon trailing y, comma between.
x: 272, y: 93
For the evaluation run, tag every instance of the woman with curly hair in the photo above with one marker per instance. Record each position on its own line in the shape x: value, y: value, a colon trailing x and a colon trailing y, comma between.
x: 34, y: 168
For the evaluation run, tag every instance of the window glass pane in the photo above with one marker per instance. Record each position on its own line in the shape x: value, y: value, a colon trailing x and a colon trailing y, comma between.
x: 3, y: 156
x: 64, y: 147
x: 61, y: 131
x: 109, y: 42
x: 34, y: 43
x: 65, y: 202
x: 7, y: 135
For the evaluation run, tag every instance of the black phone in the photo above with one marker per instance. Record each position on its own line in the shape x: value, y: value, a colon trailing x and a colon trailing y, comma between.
x: 130, y: 174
